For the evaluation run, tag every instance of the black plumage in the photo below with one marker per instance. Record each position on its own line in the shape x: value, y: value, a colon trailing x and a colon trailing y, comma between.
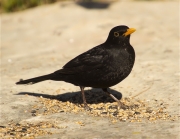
x: 100, y: 67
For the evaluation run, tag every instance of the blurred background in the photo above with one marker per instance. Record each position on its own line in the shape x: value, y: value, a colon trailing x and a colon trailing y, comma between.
x: 18, y: 5
x: 40, y: 36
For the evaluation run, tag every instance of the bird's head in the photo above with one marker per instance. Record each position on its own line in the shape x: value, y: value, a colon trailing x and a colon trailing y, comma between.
x: 120, y: 34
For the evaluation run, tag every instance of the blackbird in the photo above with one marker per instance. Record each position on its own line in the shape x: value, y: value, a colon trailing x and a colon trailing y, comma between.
x: 100, y: 67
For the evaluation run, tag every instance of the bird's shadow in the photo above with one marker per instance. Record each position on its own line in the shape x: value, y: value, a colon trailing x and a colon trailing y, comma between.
x: 93, y: 96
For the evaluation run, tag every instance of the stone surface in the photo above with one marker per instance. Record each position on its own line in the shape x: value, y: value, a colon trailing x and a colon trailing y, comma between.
x: 41, y: 40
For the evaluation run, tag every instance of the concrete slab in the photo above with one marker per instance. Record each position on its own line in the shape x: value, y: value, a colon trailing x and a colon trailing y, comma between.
x: 41, y: 40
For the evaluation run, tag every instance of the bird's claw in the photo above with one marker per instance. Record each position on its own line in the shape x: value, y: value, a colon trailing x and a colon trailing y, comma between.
x: 122, y: 106
x: 87, y: 108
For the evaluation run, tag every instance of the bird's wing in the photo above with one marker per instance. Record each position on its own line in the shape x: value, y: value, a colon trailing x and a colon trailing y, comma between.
x: 87, y: 61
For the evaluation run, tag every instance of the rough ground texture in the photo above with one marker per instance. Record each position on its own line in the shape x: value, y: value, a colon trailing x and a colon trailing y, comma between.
x: 41, y: 40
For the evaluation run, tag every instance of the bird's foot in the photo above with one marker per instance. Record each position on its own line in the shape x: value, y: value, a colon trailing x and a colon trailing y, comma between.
x: 87, y: 108
x: 122, y: 106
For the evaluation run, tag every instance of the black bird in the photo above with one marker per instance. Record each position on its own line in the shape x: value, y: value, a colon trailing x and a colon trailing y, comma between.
x: 100, y: 67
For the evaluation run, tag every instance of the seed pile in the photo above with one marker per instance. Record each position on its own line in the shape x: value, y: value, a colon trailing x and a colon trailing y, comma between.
x: 26, y: 130
x: 136, y: 110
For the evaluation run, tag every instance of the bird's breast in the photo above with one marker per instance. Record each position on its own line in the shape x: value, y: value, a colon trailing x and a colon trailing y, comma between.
x: 118, y: 67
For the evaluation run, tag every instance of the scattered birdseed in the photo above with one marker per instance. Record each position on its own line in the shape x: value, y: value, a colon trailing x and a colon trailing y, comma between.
x: 80, y: 123
x: 136, y: 110
x: 26, y: 130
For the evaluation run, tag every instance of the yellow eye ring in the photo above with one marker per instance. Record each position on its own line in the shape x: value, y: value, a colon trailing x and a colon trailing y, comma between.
x: 116, y: 34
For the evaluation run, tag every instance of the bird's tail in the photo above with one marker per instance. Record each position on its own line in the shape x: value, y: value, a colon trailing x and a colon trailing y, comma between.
x: 36, y: 79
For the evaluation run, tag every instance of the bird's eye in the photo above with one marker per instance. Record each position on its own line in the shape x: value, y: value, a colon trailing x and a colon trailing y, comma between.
x: 116, y: 34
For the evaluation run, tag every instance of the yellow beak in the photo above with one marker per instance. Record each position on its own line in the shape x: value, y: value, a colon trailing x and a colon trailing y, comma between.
x: 129, y: 31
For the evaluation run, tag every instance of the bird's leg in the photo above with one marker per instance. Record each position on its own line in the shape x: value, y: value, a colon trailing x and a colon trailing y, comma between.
x: 120, y: 105
x: 86, y: 107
